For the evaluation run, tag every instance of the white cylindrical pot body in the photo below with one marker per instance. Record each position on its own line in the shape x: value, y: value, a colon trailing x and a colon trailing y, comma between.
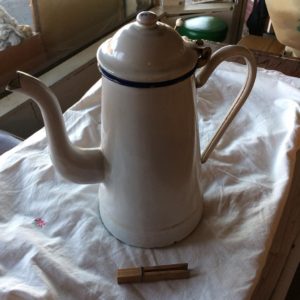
x: 150, y: 196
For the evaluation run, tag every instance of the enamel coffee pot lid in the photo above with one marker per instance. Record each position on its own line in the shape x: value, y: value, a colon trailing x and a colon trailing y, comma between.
x: 146, y: 51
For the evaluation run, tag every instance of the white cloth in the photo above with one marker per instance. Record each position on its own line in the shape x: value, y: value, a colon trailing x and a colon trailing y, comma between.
x: 245, y: 185
x: 11, y: 33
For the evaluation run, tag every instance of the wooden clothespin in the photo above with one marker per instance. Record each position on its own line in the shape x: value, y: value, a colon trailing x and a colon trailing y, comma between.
x: 153, y: 273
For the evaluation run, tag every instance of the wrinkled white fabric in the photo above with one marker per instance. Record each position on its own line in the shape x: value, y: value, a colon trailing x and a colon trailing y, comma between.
x: 11, y: 33
x: 245, y: 185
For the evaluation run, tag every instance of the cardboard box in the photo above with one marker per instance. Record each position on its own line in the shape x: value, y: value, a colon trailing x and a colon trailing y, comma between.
x: 262, y: 43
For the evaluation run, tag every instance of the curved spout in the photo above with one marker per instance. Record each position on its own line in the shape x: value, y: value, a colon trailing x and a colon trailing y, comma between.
x: 76, y: 164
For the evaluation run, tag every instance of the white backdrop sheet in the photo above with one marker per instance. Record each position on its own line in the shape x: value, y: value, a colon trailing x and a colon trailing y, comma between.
x: 68, y: 254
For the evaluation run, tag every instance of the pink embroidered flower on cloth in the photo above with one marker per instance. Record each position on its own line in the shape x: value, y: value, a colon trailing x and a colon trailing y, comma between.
x: 39, y: 222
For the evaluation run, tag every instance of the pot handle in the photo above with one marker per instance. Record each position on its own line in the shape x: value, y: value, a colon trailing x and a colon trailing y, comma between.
x: 219, y: 56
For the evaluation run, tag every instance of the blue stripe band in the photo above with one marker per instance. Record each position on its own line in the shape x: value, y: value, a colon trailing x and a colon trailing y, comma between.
x: 145, y: 85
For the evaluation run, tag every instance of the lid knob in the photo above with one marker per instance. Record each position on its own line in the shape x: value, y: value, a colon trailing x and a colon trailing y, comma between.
x: 147, y: 18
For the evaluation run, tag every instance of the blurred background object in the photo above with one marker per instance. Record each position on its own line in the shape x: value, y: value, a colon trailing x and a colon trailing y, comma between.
x: 285, y: 17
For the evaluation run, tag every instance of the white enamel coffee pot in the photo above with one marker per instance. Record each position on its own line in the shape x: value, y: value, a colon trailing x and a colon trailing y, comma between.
x: 148, y: 163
